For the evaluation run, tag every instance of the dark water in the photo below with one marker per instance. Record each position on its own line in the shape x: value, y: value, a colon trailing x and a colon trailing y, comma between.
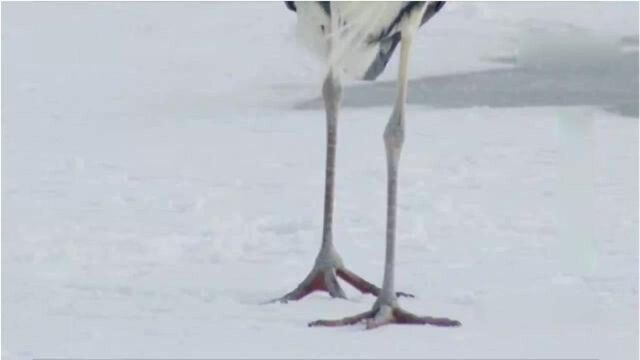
x: 612, y: 85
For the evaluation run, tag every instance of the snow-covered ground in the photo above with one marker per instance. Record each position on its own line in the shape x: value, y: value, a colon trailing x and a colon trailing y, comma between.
x: 162, y: 176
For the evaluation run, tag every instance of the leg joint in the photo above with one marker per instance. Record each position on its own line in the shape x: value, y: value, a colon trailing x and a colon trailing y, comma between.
x: 332, y: 89
x: 394, y: 132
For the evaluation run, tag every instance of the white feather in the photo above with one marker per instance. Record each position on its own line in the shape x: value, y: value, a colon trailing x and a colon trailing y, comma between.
x: 342, y: 40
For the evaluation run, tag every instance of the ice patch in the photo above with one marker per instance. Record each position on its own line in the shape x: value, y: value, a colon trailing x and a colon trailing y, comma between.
x: 567, y: 47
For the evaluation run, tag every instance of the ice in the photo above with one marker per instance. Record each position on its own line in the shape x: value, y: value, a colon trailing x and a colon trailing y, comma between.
x: 162, y: 177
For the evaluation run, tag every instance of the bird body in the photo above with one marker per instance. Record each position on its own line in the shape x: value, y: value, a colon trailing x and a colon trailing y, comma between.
x: 356, y: 38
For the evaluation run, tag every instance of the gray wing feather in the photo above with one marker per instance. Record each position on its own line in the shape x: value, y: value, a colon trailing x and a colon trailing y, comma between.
x: 388, y: 44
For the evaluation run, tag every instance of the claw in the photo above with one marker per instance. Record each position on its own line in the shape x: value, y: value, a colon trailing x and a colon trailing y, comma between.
x: 326, y: 280
x: 363, y: 285
x: 404, y: 294
x: 385, y: 315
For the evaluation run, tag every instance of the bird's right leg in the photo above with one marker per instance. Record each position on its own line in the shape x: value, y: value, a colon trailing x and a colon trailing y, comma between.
x: 323, y: 273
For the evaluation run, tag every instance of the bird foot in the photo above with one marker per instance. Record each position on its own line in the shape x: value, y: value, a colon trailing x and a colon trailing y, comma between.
x: 386, y: 314
x: 317, y: 280
x: 327, y: 280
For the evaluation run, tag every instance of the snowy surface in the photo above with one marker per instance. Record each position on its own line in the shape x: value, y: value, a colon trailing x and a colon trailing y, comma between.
x: 162, y: 176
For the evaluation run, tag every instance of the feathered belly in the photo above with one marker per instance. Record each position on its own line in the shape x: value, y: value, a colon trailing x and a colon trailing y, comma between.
x: 349, y: 35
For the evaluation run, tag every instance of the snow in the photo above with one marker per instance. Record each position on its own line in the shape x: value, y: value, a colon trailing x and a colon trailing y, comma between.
x: 162, y: 176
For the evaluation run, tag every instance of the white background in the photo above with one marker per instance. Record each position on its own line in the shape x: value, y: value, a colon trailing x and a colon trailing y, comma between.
x: 158, y: 185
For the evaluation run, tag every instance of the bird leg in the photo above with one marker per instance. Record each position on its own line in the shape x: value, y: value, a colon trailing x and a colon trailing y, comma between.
x: 328, y: 263
x: 386, y: 310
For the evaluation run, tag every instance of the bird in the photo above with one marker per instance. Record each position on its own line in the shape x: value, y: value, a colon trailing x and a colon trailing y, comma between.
x: 356, y: 40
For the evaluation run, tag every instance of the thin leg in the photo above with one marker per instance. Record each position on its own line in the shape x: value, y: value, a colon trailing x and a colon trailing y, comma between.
x: 328, y: 259
x: 385, y: 309
x: 393, y: 141
x: 332, y: 93
x: 323, y: 274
